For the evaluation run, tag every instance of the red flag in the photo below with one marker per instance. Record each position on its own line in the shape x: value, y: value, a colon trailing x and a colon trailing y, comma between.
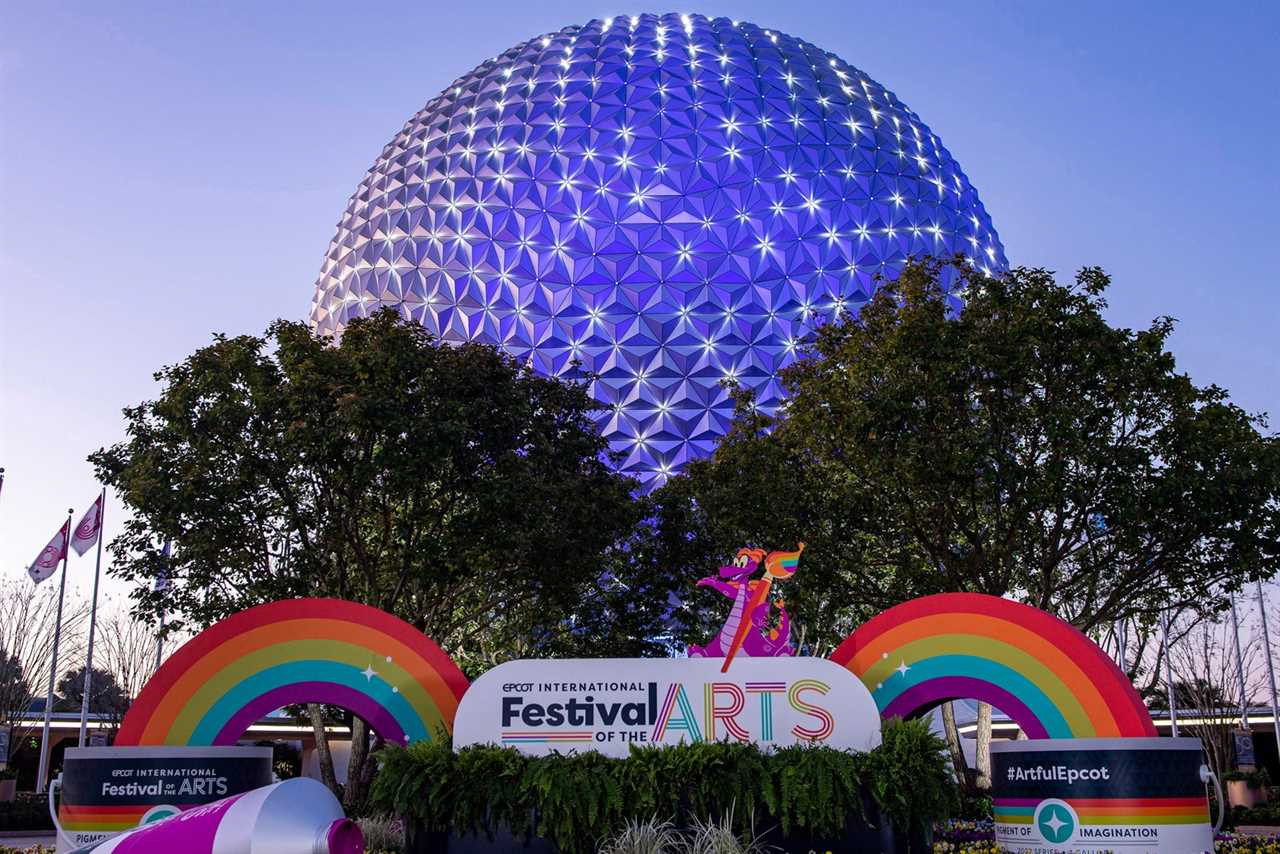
x: 89, y: 529
x: 45, y: 565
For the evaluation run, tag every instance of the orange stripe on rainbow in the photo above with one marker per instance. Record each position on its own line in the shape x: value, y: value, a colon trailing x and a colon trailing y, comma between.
x: 1042, y: 672
x: 295, y: 651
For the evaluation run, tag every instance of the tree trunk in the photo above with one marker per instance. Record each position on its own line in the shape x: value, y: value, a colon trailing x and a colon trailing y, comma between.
x: 356, y: 764
x: 371, y: 765
x: 327, y: 776
x: 983, y: 752
x: 953, y: 744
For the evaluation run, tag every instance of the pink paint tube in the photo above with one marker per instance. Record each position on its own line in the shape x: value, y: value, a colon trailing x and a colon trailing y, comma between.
x: 297, y: 816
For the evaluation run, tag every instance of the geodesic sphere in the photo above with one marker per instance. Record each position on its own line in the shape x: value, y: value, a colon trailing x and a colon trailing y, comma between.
x: 656, y: 203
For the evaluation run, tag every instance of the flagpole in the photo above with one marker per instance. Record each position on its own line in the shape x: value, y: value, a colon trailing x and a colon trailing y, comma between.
x: 168, y: 559
x: 159, y: 642
x: 1244, y: 697
x: 1168, y: 672
x: 1271, y: 668
x: 93, y: 621
x: 45, y: 752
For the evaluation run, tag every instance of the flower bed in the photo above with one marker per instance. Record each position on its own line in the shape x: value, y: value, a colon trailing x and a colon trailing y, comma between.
x: 1234, y: 843
x: 802, y: 795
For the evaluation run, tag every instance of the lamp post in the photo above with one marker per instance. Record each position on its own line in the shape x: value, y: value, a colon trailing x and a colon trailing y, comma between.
x: 1271, y: 667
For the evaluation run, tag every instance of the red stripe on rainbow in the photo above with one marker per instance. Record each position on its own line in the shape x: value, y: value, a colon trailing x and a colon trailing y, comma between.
x: 295, y: 651
x: 1051, y: 679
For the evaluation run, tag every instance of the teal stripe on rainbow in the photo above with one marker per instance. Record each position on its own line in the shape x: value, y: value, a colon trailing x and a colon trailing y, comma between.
x: 1040, y: 671
x: 298, y: 651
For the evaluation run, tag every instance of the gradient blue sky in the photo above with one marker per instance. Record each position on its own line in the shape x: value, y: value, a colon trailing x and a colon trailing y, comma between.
x: 168, y: 171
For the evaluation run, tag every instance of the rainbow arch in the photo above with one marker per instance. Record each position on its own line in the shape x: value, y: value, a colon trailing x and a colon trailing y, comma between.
x: 1040, y: 671
x: 298, y: 651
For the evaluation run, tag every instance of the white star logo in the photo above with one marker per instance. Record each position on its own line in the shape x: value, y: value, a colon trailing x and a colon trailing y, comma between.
x: 902, y: 668
x: 369, y: 673
x: 1054, y: 823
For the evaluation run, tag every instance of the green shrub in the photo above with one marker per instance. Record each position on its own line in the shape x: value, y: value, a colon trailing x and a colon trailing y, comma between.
x: 909, y: 778
x: 1255, y: 779
x: 974, y: 806
x: 577, y: 800
x: 26, y: 813
x: 1264, y: 815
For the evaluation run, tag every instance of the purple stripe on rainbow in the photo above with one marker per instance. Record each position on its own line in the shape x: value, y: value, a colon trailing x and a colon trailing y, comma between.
x: 361, y: 705
x: 955, y: 687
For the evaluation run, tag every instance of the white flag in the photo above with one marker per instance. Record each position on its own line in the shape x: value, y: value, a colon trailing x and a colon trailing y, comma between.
x: 47, y: 563
x: 89, y: 529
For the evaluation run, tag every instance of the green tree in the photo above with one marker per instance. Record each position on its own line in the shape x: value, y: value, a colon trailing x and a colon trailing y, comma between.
x: 106, y: 697
x: 1020, y: 447
x: 15, y: 690
x: 447, y: 485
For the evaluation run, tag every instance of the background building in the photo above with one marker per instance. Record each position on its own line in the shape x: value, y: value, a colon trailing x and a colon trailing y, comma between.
x: 667, y: 203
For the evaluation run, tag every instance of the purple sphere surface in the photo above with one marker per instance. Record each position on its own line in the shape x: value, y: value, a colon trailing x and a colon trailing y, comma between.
x: 658, y: 204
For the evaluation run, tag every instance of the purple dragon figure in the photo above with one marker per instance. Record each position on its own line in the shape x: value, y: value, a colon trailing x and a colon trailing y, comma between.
x: 751, y: 600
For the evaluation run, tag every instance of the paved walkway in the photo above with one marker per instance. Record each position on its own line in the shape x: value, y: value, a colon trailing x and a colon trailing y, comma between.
x: 27, y: 841
x: 1258, y: 830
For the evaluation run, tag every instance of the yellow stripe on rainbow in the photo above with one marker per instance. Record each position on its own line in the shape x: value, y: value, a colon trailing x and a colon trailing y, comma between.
x: 296, y: 651
x: 1040, y: 671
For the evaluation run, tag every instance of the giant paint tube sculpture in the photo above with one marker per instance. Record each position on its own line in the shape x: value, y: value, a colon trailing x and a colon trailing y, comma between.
x: 297, y: 816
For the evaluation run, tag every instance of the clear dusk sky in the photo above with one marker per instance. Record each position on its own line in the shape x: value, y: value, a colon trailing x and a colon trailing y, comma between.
x: 170, y: 170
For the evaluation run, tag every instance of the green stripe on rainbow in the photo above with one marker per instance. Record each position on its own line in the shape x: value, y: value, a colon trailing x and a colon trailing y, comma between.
x: 298, y: 651
x: 1041, y: 672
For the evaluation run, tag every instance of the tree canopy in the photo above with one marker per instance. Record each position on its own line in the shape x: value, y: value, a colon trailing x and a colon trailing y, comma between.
x: 447, y: 485
x: 106, y: 697
x: 1021, y: 447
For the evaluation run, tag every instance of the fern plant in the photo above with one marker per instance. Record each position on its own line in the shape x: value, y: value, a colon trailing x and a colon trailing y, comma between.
x: 578, y: 799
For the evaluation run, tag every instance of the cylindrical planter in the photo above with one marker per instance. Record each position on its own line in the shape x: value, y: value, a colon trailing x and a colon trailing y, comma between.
x: 419, y: 840
x: 108, y: 790
x: 1241, y: 794
x: 874, y: 836
x: 1101, y: 794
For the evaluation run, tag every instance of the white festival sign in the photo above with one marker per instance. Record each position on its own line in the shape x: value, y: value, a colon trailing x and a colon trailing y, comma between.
x: 541, y: 706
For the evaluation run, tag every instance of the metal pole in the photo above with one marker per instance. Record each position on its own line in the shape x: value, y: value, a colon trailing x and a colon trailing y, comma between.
x: 159, y: 644
x: 45, y: 752
x: 1168, y: 672
x: 1122, y: 645
x: 93, y: 621
x: 1271, y: 668
x: 168, y: 557
x: 1244, y: 697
